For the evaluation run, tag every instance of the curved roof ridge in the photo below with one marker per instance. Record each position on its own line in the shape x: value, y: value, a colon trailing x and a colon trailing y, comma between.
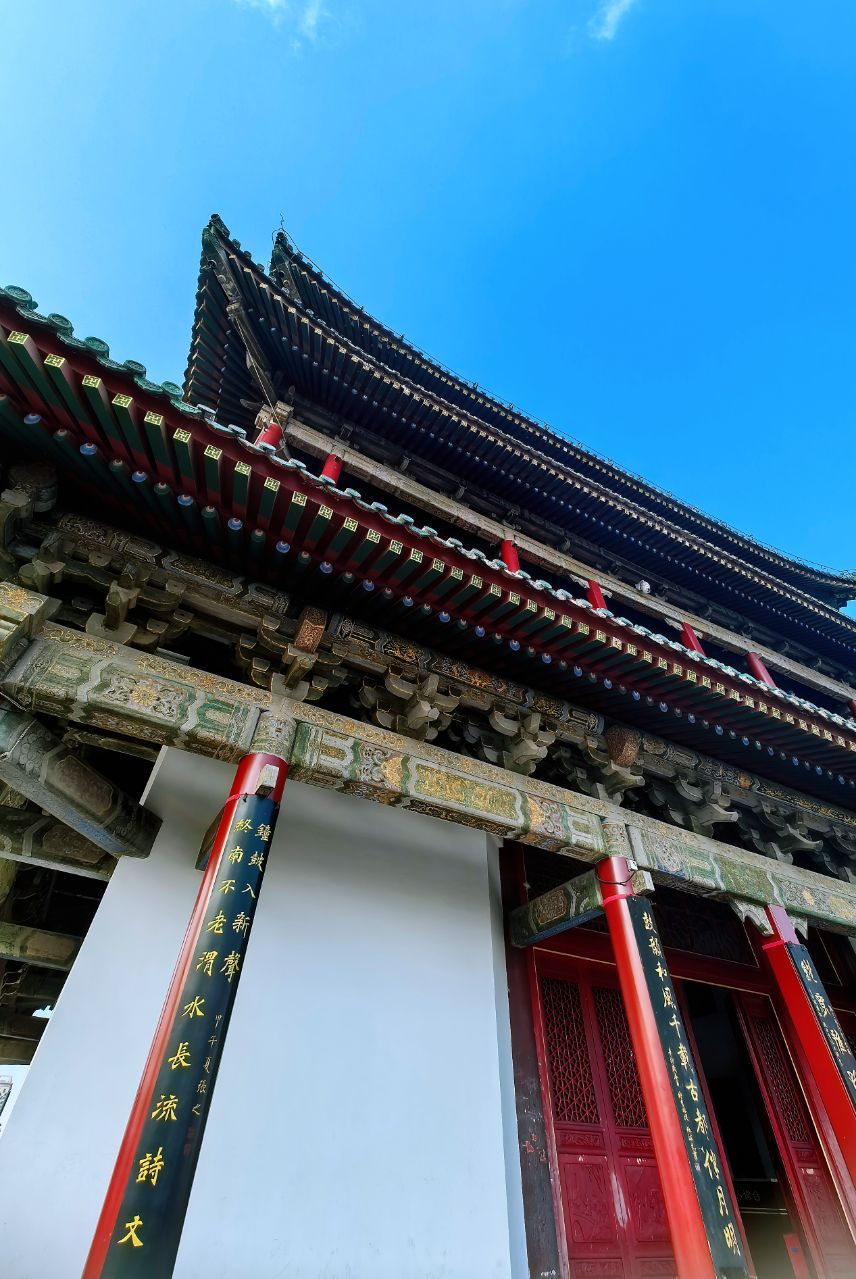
x: 594, y: 486
x: 630, y: 503
x: 837, y: 577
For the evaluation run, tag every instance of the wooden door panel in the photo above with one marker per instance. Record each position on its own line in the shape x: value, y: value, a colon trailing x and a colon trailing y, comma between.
x: 588, y: 1202
x: 645, y: 1202
x: 815, y: 1200
x: 615, y: 1219
x: 835, y: 1241
x: 646, y: 1230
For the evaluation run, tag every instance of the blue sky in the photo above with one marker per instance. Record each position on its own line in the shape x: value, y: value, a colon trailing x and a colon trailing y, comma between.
x: 633, y: 218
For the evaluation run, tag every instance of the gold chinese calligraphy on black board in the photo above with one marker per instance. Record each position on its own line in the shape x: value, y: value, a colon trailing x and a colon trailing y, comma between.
x: 717, y: 1210
x: 839, y: 1046
x: 150, y: 1219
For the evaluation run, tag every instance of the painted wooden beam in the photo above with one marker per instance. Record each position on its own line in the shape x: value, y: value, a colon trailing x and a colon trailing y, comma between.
x: 20, y: 1026
x: 27, y: 835
x: 564, y: 907
x: 22, y: 615
x: 39, y: 988
x: 94, y: 681
x: 36, y: 946
x: 16, y: 1052
x: 35, y: 762
x: 377, y: 764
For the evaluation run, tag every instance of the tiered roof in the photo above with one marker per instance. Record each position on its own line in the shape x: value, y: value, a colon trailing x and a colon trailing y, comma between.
x: 158, y: 465
x: 307, y: 335
x: 192, y: 476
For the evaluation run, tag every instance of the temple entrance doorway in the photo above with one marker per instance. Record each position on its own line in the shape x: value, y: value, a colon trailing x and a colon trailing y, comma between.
x: 612, y: 1210
x: 795, y: 1203
x: 791, y: 1217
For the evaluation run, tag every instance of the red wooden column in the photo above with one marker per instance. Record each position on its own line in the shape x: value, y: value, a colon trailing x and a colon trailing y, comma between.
x: 140, y: 1226
x: 705, y: 1236
x: 809, y: 1017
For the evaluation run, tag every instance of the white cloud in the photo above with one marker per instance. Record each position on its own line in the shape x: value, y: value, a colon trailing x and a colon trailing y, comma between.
x: 313, y: 13
x: 605, y: 22
x: 304, y: 17
x: 276, y: 8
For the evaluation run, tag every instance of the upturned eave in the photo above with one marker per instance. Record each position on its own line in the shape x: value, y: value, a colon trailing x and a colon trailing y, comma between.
x: 161, y: 466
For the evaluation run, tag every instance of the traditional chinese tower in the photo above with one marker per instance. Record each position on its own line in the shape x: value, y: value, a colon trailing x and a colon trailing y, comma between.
x: 436, y: 844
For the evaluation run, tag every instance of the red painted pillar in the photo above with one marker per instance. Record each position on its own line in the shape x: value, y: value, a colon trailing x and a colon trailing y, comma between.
x: 270, y: 434
x: 809, y: 1017
x: 759, y: 670
x: 508, y: 555
x: 690, y: 640
x: 140, y: 1226
x: 694, y: 1239
x: 595, y: 595
x: 332, y: 468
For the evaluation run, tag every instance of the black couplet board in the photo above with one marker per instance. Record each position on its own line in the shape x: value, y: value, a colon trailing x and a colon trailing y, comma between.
x: 842, y: 1053
x: 717, y: 1209
x: 151, y: 1215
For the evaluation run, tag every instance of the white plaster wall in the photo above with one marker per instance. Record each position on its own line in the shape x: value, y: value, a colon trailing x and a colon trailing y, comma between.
x: 365, y: 1082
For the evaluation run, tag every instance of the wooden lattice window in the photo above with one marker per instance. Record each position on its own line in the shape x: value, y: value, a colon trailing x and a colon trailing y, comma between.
x: 571, y: 1082
x: 625, y: 1093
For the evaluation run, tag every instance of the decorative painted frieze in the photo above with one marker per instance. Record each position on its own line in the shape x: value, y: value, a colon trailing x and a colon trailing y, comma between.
x: 30, y: 837
x: 567, y: 906
x: 95, y: 681
x: 92, y: 681
x: 441, y: 785
x: 22, y: 615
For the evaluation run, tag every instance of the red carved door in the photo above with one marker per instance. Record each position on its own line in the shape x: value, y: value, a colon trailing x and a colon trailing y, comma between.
x: 612, y: 1204
x: 810, y: 1187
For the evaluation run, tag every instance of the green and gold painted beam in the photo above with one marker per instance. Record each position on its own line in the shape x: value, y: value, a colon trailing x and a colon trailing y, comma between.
x: 373, y: 763
x: 22, y: 615
x: 34, y: 762
x: 93, y: 681
x: 566, y: 906
x: 27, y: 835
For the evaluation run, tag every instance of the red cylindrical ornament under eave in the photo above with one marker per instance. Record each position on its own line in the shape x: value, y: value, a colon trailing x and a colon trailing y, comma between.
x: 508, y: 555
x: 332, y: 468
x: 270, y: 434
x: 759, y: 670
x: 594, y: 594
x: 690, y: 640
